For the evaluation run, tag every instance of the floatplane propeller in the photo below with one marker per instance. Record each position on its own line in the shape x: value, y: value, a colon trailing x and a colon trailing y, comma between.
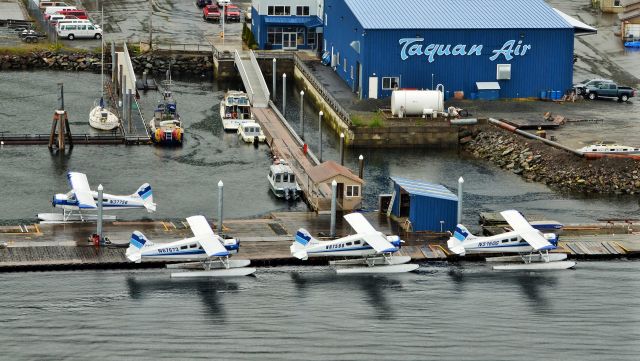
x: 210, y: 251
x: 531, y: 245
x: 367, y: 251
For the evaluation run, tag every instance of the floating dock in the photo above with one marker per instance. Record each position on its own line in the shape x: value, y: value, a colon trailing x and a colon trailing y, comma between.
x: 264, y: 241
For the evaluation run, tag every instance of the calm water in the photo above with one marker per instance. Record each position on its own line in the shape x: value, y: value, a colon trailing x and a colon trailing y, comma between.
x: 185, y: 179
x: 445, y: 312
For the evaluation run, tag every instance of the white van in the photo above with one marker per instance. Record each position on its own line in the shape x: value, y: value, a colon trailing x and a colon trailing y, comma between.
x: 54, y: 9
x: 73, y: 21
x: 45, y: 4
x: 72, y: 31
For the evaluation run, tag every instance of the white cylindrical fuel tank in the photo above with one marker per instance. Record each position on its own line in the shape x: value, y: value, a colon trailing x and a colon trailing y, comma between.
x: 413, y: 102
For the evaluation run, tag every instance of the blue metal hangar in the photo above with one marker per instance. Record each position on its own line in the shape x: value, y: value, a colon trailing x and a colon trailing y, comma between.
x: 517, y: 47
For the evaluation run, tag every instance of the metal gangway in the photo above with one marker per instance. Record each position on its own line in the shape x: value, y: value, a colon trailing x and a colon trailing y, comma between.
x: 252, y: 78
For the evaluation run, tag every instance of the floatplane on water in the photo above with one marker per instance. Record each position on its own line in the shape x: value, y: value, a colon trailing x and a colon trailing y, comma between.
x: 371, y: 250
x: 81, y: 198
x: 532, y: 246
x: 210, y: 250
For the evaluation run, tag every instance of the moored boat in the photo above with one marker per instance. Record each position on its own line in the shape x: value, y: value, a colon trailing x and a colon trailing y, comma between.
x: 101, y: 118
x: 609, y: 149
x: 235, y: 109
x: 166, y: 125
x: 283, y: 181
x: 251, y: 133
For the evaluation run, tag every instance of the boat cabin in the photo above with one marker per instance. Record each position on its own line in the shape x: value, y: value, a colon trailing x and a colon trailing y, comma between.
x: 237, y: 106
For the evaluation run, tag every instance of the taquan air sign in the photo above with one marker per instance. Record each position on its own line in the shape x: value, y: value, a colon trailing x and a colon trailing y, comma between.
x: 415, y: 47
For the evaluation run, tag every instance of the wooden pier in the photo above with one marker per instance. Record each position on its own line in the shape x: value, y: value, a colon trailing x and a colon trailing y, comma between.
x: 264, y: 241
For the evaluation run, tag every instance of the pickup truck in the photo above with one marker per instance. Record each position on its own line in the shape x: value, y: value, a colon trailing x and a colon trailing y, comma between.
x: 580, y: 87
x: 609, y: 90
x: 232, y: 13
x: 211, y: 13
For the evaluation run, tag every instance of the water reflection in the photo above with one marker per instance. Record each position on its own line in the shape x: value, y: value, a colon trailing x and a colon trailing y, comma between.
x: 533, y: 285
x: 208, y: 290
x: 374, y: 287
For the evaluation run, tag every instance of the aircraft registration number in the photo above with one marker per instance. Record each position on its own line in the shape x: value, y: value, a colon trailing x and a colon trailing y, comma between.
x: 488, y: 244
x: 118, y: 201
x: 168, y: 250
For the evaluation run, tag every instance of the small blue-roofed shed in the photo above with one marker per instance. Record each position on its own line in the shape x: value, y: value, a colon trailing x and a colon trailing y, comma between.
x: 424, y: 204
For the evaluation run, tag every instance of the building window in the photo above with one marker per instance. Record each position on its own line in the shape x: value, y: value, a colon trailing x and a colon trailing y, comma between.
x: 326, y: 20
x: 616, y: 2
x: 311, y: 37
x: 391, y: 82
x: 338, y: 58
x: 302, y: 10
x: 353, y: 191
x: 274, y: 35
x: 344, y: 65
x: 351, y: 72
x: 279, y: 10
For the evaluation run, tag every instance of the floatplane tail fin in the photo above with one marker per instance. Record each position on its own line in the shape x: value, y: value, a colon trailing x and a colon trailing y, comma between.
x: 146, y: 194
x: 302, y: 241
x: 455, y: 243
x: 137, y: 242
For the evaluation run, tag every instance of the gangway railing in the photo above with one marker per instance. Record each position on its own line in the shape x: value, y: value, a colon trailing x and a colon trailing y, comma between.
x: 244, y: 76
x: 263, y: 83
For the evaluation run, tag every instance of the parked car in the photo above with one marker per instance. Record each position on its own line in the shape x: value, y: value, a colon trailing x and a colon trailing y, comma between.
x: 45, y: 4
x: 580, y: 87
x: 54, y: 9
x: 73, y: 31
x: 79, y: 14
x: 232, y: 13
x: 211, y: 13
x: 55, y: 18
x: 203, y: 3
x: 610, y: 90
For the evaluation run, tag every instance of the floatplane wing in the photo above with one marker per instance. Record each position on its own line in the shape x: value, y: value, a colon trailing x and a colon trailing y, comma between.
x: 526, y: 231
x: 368, y: 233
x: 205, y: 236
x: 80, y: 186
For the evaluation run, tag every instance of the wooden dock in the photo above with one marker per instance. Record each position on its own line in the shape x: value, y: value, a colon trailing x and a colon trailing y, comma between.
x: 264, y: 241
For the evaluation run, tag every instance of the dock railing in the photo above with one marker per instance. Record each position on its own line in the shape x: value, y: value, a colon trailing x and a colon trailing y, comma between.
x: 243, y: 75
x: 324, y: 93
x: 293, y: 133
x: 256, y: 67
x: 50, y: 30
x: 198, y: 48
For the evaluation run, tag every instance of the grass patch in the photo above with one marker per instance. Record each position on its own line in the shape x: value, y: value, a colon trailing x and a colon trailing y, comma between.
x: 27, y: 49
x: 372, y: 120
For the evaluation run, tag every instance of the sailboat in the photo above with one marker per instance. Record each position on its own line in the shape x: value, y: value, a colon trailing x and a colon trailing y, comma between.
x: 99, y: 116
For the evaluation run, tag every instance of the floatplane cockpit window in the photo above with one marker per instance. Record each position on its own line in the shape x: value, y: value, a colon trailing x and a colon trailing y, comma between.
x: 505, y: 240
x: 356, y: 242
x: 193, y: 245
x: 184, y: 247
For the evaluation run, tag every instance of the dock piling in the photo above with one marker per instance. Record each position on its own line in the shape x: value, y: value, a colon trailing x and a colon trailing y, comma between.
x: 341, y: 148
x: 273, y: 80
x: 284, y: 95
x: 334, y: 191
x: 361, y: 166
x: 320, y: 114
x: 99, y: 223
x: 302, y: 114
x: 220, y: 193
x: 460, y: 182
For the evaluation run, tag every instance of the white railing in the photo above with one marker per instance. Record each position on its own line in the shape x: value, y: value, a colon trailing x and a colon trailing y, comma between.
x: 131, y: 79
x: 256, y: 68
x: 244, y: 76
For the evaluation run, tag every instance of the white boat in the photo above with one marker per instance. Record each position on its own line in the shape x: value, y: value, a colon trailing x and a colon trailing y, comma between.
x: 235, y: 109
x: 166, y: 125
x: 283, y: 181
x: 251, y: 133
x: 100, y: 117
x: 609, y: 149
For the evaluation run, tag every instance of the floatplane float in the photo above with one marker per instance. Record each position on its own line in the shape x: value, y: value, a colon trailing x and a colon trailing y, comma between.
x: 211, y: 251
x: 81, y: 198
x: 531, y: 245
x: 372, y: 250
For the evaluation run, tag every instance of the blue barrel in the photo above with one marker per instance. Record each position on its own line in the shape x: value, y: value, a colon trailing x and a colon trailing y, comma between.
x: 543, y: 94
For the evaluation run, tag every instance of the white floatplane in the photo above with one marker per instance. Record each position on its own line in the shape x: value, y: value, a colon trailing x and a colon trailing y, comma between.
x: 81, y: 198
x: 210, y: 250
x: 532, y: 246
x: 374, y: 250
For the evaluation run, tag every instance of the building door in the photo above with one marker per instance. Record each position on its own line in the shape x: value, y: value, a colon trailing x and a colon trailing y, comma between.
x: 289, y: 41
x: 373, y: 87
x: 357, y: 80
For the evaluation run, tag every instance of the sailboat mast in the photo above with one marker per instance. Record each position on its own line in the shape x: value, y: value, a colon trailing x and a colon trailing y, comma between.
x: 102, y: 51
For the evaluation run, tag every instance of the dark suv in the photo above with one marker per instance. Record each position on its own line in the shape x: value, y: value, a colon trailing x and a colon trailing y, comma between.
x: 203, y: 3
